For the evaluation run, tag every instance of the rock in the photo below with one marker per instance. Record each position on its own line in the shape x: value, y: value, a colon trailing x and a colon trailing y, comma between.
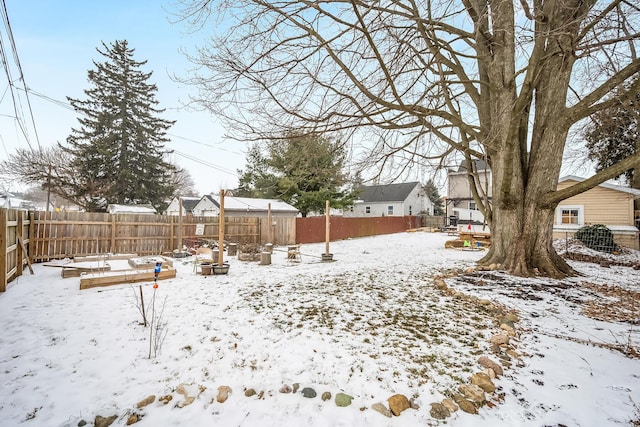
x: 223, y: 393
x: 483, y: 302
x: 189, y: 395
x: 490, y: 373
x: 508, y: 329
x: 439, y: 411
x: 343, y: 400
x: 467, y: 406
x: 147, y: 401
x: 326, y: 396
x: 101, y: 421
x: 165, y: 399
x: 261, y: 395
x: 249, y: 392
x: 285, y: 389
x: 472, y: 392
x: 440, y: 283
x: 381, y: 408
x: 494, y: 266
x: 82, y: 423
x: 483, y: 381
x: 133, y: 418
x: 510, y: 317
x: 513, y: 353
x: 450, y: 405
x: 499, y: 339
x: 308, y: 392
x: 296, y: 386
x: 485, y: 362
x: 398, y: 403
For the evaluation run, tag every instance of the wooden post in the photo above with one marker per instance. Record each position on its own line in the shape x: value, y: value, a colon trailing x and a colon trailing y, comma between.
x: 3, y: 249
x: 113, y: 248
x: 32, y: 240
x: 269, y: 221
x: 171, y: 230
x: 21, y: 251
x: 221, y: 230
x: 328, y: 227
x: 179, y: 223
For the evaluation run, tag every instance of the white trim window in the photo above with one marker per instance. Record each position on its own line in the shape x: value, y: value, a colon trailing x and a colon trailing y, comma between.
x: 390, y: 210
x: 570, y: 215
x: 367, y: 209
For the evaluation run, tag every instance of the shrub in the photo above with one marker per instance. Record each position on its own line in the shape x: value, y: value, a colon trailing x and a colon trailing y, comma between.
x: 597, y: 237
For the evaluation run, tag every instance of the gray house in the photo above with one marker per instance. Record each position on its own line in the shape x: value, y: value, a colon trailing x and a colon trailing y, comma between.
x: 390, y: 200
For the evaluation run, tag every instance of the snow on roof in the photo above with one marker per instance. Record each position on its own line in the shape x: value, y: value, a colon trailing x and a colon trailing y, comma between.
x: 232, y: 203
x: 636, y: 193
x: 115, y: 209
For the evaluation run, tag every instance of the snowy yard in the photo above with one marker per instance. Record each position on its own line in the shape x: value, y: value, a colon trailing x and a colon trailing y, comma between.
x: 371, y: 325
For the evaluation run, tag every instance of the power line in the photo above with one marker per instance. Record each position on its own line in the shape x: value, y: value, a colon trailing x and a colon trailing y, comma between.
x: 16, y: 58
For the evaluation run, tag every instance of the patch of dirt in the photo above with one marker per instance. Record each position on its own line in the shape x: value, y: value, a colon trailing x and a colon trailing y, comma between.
x: 616, y: 305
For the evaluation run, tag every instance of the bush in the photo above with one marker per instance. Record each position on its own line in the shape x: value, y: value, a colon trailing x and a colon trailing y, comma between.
x: 597, y: 237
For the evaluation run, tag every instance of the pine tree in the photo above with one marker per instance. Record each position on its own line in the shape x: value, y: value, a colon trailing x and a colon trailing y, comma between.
x: 434, y: 195
x: 118, y: 149
x: 303, y: 170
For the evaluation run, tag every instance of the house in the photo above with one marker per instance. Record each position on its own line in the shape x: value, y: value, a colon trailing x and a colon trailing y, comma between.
x: 188, y: 203
x: 460, y: 201
x: 390, y: 200
x: 130, y: 209
x: 209, y: 205
x: 607, y: 204
x: 12, y: 201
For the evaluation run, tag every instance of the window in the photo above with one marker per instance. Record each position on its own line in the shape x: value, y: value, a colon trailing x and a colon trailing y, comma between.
x: 390, y: 210
x: 570, y: 215
x: 472, y: 206
x: 410, y: 210
x: 367, y: 209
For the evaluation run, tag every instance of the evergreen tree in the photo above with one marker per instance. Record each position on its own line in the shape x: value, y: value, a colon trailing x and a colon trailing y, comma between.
x: 303, y: 170
x: 434, y: 195
x: 118, y: 149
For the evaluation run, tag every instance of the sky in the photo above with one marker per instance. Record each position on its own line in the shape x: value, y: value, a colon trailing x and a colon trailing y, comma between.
x: 56, y: 43
x: 358, y: 326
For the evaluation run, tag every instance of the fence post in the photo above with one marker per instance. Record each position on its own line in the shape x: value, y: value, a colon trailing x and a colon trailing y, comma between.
x: 171, y: 231
x: 3, y: 250
x: 112, y: 247
x: 32, y: 241
x: 19, y: 251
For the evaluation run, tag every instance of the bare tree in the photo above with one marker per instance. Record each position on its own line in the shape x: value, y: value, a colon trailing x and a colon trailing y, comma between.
x: 51, y: 169
x: 497, y: 80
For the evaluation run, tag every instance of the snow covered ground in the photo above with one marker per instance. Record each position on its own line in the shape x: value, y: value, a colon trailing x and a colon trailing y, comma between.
x: 372, y: 324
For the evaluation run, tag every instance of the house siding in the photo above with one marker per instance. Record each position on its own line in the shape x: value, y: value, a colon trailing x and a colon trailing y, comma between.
x: 601, y: 205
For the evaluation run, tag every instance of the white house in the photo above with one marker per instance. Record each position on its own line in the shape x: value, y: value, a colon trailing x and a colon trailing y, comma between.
x: 188, y: 204
x: 391, y: 200
x: 209, y: 205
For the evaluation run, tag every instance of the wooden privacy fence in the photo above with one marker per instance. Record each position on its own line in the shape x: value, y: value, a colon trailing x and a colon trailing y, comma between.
x: 312, y: 229
x: 69, y: 234
x: 14, y: 241
x: 55, y: 235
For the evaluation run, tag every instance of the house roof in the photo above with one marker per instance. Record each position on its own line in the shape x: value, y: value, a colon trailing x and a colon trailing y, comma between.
x: 480, y: 165
x: 248, y: 204
x: 633, y: 191
x: 188, y: 203
x: 386, y: 193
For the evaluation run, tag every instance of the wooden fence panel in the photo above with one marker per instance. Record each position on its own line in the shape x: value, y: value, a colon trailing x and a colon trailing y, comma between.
x: 15, y: 241
x: 312, y: 229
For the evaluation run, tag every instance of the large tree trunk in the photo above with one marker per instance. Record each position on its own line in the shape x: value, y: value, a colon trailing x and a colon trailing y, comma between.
x: 525, y: 172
